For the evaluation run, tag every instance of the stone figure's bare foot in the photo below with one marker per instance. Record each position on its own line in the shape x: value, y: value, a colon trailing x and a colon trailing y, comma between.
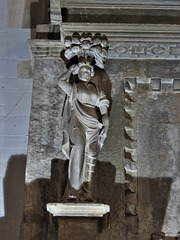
x: 71, y: 194
x: 87, y: 197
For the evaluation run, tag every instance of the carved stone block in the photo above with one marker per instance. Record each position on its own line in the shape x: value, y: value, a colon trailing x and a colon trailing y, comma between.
x: 77, y: 228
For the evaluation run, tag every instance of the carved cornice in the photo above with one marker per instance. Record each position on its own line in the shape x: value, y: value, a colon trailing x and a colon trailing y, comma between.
x: 145, y: 33
x: 49, y: 48
x: 128, y: 4
x: 126, y: 41
x: 132, y: 41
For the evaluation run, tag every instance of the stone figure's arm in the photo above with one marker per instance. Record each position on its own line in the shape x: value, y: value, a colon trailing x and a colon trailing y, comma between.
x: 105, y: 122
x: 63, y: 84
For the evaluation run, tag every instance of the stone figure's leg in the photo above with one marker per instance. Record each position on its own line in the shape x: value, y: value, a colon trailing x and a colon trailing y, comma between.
x: 91, y: 152
x: 76, y: 159
x: 90, y: 162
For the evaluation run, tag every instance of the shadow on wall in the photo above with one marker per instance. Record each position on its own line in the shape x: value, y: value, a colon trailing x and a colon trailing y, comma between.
x: 13, y: 197
x: 27, y: 13
x: 153, y: 198
x: 105, y: 191
x: 153, y: 195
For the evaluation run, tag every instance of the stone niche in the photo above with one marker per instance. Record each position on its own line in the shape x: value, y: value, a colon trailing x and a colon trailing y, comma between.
x: 138, y: 169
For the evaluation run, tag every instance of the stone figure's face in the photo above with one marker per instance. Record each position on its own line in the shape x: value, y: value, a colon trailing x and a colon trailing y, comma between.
x: 84, y: 73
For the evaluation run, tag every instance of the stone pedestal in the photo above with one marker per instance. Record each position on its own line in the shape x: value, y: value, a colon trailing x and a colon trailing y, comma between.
x: 78, y: 221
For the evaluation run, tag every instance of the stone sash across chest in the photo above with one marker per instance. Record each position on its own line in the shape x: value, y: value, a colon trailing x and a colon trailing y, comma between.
x: 86, y: 94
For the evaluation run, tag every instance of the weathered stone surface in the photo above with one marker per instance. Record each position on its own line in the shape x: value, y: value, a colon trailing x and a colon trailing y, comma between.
x: 35, y: 218
x: 44, y: 144
x: 105, y: 190
x: 158, y: 163
x: 78, y: 228
x: 112, y: 150
x: 157, y: 149
x: 156, y: 153
x: 45, y: 134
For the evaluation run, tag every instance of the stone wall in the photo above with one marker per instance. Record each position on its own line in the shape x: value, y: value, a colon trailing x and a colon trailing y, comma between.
x: 140, y: 184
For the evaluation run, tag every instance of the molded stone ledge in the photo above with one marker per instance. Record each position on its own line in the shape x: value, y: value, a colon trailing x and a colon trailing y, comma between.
x: 132, y: 41
x: 77, y: 209
x: 41, y: 48
x: 123, y: 32
x: 126, y: 41
x: 131, y: 4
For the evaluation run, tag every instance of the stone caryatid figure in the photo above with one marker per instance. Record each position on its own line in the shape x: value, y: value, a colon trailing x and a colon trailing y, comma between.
x: 85, y: 113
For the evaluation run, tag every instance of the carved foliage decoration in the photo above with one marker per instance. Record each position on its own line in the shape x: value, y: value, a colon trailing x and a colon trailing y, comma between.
x: 88, y: 47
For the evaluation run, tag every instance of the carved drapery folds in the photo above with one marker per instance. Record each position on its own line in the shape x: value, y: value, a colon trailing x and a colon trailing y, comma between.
x: 85, y: 115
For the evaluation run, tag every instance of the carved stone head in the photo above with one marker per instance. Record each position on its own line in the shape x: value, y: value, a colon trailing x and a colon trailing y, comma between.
x: 85, y: 72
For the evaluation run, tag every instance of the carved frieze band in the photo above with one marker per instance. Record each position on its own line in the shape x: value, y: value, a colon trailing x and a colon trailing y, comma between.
x: 122, y: 50
x: 53, y: 48
x: 126, y: 41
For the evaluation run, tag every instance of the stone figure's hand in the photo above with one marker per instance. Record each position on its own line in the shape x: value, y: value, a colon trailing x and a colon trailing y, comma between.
x: 102, y: 135
x: 74, y: 69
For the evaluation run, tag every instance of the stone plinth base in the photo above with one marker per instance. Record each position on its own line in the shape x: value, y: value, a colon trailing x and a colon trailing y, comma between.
x: 78, y: 209
x: 78, y: 221
x: 80, y: 228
